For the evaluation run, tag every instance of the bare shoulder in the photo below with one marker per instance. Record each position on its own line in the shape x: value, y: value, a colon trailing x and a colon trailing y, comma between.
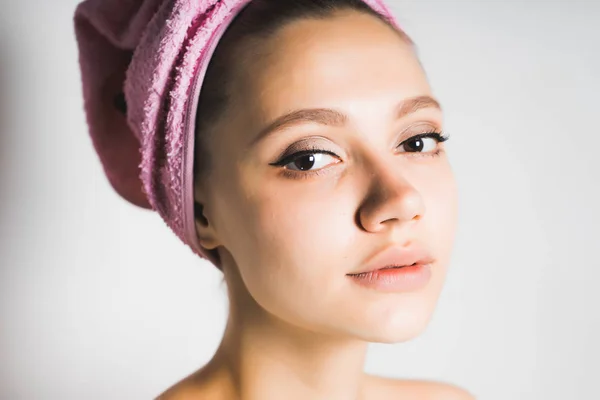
x: 198, y: 385
x: 184, y: 390
x: 381, y: 388
x: 446, y: 391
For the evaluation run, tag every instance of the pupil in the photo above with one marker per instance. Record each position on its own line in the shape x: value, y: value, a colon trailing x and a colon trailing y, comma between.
x: 303, y: 166
x: 417, y: 144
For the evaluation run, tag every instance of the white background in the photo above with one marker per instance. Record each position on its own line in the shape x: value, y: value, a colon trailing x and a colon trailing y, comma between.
x: 99, y: 300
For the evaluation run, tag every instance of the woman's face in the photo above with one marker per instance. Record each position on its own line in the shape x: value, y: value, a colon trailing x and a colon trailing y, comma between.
x: 289, y: 235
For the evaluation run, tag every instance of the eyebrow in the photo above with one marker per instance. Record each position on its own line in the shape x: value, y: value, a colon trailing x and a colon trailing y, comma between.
x: 330, y: 117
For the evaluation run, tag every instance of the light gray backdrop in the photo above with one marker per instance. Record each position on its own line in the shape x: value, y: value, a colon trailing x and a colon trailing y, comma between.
x: 99, y: 300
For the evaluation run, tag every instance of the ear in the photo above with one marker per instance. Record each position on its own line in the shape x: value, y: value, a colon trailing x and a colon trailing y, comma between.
x: 207, y: 236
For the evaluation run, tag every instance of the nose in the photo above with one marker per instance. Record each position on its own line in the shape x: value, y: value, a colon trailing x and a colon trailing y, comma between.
x: 391, y: 200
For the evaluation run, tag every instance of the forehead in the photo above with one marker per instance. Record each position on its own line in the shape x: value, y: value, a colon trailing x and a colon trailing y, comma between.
x: 349, y: 61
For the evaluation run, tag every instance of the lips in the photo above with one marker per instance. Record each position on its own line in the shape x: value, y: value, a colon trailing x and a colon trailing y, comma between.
x: 396, y: 257
x: 396, y: 266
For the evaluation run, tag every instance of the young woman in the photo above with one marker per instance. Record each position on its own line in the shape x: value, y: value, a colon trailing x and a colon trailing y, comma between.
x: 323, y: 191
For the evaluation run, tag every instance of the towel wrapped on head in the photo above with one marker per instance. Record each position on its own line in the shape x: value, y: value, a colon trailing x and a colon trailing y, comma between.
x: 142, y: 66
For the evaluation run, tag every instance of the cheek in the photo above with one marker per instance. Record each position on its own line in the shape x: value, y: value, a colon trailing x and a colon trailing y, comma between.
x: 289, y: 244
x: 297, y: 239
x: 441, y: 201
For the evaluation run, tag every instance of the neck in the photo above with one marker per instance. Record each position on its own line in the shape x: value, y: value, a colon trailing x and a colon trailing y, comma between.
x: 263, y: 357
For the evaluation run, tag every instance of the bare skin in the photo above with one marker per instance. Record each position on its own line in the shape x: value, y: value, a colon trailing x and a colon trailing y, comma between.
x: 298, y: 327
x: 216, y: 385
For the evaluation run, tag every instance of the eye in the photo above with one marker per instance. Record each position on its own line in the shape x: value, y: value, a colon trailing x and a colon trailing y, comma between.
x: 308, y: 160
x: 422, y: 143
x: 313, y: 160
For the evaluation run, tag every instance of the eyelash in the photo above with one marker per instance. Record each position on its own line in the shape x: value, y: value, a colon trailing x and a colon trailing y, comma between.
x: 439, y: 136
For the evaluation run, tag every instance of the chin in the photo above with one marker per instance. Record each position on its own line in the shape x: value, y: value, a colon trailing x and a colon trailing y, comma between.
x: 394, y: 335
x: 400, y: 326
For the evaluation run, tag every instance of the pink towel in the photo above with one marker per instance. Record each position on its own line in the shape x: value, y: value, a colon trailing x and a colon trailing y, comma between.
x: 150, y: 57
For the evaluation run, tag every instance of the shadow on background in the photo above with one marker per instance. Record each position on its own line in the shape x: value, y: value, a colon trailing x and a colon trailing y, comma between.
x: 4, y: 207
x: 4, y: 149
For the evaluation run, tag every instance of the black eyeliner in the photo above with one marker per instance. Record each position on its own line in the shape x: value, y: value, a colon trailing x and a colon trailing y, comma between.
x: 439, y: 136
x: 288, y: 159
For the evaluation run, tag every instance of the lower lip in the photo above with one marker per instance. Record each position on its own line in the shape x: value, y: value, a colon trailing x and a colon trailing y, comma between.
x: 403, y: 279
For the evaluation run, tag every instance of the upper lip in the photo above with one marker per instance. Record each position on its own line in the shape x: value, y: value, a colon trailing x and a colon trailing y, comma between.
x: 396, y: 256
